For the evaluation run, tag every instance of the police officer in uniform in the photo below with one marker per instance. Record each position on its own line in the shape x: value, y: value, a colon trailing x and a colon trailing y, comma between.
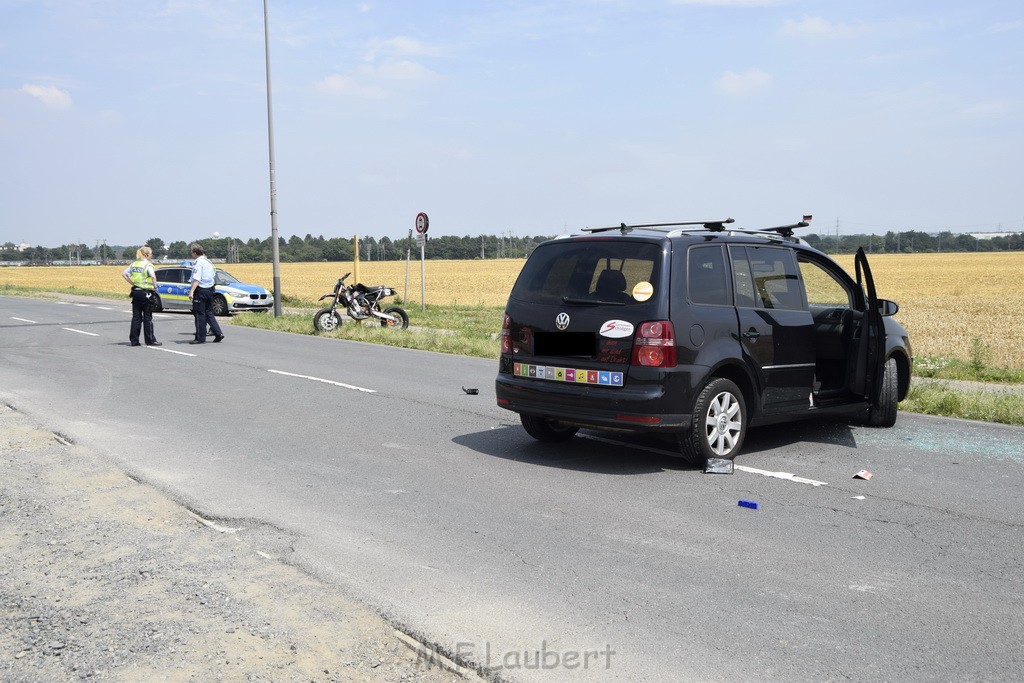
x: 141, y: 276
x: 201, y: 296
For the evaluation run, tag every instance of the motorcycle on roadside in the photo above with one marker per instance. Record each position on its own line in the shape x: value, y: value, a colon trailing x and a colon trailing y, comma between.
x: 360, y: 303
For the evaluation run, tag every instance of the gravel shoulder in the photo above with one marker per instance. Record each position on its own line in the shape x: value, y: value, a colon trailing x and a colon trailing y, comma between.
x: 105, y: 578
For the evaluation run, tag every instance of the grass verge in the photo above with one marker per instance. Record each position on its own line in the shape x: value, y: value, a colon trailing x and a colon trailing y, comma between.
x: 464, y: 331
x: 972, y: 370
x: 987, y: 406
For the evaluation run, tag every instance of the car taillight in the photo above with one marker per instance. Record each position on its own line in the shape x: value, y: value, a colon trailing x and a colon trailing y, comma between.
x: 655, y: 345
x: 506, y: 335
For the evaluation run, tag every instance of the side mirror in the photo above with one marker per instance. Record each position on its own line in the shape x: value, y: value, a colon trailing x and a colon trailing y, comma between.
x: 887, y: 307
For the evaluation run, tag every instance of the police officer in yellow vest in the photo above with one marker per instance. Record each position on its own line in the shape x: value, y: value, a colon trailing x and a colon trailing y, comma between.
x: 141, y: 276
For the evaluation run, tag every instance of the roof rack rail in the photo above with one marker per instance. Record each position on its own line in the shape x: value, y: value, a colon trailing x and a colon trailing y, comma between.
x: 716, y: 225
x: 787, y: 230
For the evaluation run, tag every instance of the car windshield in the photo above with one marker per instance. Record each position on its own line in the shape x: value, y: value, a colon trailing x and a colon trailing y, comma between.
x: 590, y: 271
x: 225, y: 278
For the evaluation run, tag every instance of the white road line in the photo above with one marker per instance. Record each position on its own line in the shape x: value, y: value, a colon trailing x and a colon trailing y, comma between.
x: 104, y: 308
x: 71, y: 329
x: 743, y: 468
x: 781, y: 475
x: 180, y: 353
x: 325, y: 381
x: 62, y: 303
x: 24, y: 320
x: 83, y: 305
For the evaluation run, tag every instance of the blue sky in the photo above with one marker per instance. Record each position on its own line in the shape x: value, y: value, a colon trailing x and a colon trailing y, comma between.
x: 131, y: 119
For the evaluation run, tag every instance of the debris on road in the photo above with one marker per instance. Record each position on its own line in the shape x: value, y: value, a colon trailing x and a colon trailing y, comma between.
x: 863, y: 474
x: 749, y: 504
x: 718, y: 466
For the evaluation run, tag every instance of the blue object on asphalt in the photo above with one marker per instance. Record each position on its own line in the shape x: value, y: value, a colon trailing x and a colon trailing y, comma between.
x: 749, y: 504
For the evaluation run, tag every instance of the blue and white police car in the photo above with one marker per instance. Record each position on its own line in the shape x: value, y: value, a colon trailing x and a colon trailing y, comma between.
x: 231, y: 295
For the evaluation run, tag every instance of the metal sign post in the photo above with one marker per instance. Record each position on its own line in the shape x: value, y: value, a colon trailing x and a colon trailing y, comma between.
x: 422, y: 223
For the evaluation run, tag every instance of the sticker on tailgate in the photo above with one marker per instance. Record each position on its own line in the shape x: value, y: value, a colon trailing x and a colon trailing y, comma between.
x: 576, y: 375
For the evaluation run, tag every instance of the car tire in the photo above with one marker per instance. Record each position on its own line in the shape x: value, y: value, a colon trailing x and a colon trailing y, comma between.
x: 544, y: 429
x: 883, y: 414
x: 719, y: 424
x: 219, y: 305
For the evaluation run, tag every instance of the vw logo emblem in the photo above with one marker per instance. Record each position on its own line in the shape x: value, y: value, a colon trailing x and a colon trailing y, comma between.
x: 562, y: 321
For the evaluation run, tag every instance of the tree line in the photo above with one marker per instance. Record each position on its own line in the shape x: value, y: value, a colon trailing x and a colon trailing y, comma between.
x: 310, y: 248
x: 294, y: 249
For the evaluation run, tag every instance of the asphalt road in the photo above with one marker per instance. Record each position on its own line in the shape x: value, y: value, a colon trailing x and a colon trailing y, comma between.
x: 600, y: 559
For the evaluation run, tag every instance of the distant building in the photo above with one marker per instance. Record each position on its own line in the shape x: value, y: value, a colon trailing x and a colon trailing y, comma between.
x: 990, y: 235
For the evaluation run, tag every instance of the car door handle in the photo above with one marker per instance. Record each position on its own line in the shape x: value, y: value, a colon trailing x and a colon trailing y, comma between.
x: 752, y: 334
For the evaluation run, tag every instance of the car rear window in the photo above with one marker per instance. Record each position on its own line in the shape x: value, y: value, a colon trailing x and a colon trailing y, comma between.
x: 590, y: 271
x: 175, y: 275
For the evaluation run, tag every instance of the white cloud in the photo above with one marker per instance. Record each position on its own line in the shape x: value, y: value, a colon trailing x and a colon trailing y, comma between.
x: 744, y: 83
x: 338, y: 84
x: 51, y: 96
x: 401, y: 46
x: 371, y: 81
x: 815, y: 27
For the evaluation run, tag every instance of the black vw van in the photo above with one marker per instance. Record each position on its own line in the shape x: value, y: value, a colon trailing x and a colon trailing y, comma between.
x: 697, y: 330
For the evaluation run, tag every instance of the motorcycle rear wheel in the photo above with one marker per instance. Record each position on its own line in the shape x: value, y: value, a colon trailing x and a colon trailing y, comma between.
x: 326, y: 320
x: 399, y: 313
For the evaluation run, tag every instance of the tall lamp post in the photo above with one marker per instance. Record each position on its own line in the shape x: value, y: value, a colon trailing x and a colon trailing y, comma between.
x: 275, y: 249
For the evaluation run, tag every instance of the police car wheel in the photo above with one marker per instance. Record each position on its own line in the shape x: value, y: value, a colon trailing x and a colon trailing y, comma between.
x: 220, y: 305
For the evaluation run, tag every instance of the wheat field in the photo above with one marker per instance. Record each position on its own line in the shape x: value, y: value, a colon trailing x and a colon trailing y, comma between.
x: 947, y: 301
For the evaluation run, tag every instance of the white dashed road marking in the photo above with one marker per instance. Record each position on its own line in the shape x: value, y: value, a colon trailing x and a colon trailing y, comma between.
x: 71, y: 329
x: 23, y: 320
x: 165, y: 350
x: 781, y: 475
x: 325, y: 381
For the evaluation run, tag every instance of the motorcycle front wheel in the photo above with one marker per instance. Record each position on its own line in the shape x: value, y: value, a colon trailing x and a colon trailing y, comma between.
x: 403, y: 319
x: 326, y: 320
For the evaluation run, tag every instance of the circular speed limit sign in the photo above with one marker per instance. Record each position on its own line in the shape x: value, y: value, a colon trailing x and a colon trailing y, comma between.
x: 422, y: 222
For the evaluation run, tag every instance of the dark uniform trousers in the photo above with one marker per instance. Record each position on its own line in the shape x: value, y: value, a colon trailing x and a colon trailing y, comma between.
x: 142, y: 316
x: 202, y: 306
